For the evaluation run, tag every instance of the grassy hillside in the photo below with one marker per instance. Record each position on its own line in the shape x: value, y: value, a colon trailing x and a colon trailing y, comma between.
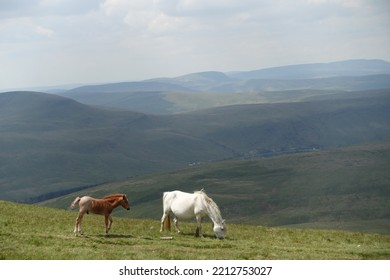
x: 346, y: 188
x: 36, y: 233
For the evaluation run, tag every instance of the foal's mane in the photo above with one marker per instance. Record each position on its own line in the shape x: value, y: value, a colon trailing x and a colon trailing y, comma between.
x: 114, y: 196
x: 212, y: 207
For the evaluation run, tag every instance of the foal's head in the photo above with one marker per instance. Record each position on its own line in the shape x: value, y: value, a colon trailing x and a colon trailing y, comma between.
x: 125, y: 203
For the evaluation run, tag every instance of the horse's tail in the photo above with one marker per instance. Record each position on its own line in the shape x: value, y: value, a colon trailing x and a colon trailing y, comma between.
x: 74, y: 202
x: 167, y: 222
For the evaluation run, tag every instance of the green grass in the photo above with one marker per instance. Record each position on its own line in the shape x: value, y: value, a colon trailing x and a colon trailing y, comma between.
x: 31, y: 232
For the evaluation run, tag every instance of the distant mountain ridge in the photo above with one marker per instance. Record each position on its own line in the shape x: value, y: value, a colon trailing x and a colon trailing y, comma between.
x: 197, y: 90
x: 142, y: 86
x: 356, y: 67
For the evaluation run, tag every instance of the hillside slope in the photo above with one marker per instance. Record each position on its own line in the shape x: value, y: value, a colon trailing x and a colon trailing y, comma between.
x: 49, y: 143
x: 345, y: 188
x: 37, y: 233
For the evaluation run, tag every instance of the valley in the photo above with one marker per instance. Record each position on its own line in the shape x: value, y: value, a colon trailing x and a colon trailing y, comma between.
x: 296, y: 146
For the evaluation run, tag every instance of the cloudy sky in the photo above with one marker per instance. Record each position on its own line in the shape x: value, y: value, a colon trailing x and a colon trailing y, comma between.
x: 56, y: 42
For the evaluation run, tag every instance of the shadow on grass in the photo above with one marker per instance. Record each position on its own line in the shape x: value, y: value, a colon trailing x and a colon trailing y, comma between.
x: 107, y: 236
x: 205, y: 236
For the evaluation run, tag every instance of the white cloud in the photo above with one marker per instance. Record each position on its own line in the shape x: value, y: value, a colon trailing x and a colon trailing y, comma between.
x: 162, y: 23
x: 22, y: 30
x: 44, y: 31
x: 120, y: 7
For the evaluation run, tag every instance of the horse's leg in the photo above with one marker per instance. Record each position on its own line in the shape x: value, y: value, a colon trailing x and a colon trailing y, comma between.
x: 198, y: 232
x: 77, y: 228
x: 164, y: 216
x: 176, y: 224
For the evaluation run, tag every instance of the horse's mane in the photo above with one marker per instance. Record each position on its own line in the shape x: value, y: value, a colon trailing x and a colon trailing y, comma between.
x: 212, y: 207
x: 113, y: 195
x: 116, y: 195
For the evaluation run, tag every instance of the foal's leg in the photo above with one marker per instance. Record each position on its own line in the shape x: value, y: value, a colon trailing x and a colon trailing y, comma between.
x: 108, y: 221
x: 77, y: 228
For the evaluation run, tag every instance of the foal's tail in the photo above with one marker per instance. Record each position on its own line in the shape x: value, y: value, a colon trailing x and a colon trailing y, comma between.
x: 167, y: 222
x: 74, y: 202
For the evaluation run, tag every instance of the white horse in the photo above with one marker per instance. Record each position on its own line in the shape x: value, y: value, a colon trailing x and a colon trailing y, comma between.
x: 188, y: 205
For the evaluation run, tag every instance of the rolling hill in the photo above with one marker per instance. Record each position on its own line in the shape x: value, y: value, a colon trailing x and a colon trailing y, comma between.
x: 51, y: 145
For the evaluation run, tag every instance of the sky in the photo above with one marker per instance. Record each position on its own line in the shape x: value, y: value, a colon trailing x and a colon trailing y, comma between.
x: 61, y: 42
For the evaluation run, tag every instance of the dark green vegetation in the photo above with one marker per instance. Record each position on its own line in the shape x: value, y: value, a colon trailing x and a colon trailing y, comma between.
x: 49, y: 143
x: 345, y: 189
x: 36, y: 233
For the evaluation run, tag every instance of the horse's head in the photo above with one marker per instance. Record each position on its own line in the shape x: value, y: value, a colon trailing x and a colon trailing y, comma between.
x: 220, y: 230
x: 125, y: 203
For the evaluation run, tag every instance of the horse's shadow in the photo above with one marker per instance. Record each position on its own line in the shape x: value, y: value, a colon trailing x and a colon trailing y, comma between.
x: 108, y: 236
x: 127, y: 236
x: 116, y: 236
x: 208, y: 236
